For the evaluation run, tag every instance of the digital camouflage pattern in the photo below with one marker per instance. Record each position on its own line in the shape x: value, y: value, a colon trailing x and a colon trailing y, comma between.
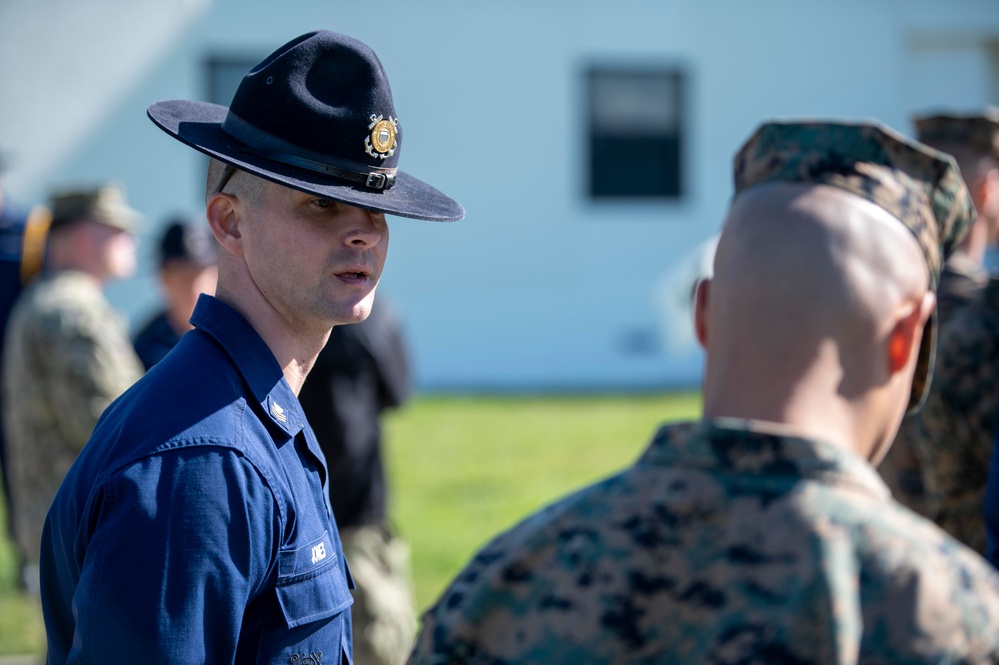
x: 920, y: 186
x: 67, y: 356
x: 961, y: 284
x: 727, y: 542
x: 952, y: 437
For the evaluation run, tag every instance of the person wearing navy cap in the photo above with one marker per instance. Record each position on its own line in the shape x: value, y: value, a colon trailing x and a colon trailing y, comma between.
x: 196, y: 526
x: 187, y: 268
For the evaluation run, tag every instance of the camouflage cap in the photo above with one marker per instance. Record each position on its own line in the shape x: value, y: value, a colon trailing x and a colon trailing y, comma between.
x: 105, y: 203
x: 977, y: 131
x: 918, y: 185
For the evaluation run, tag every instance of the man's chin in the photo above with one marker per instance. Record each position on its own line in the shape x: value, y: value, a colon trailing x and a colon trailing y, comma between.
x: 356, y: 313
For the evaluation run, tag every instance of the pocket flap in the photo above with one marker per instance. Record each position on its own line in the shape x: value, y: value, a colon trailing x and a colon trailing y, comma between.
x: 312, y: 598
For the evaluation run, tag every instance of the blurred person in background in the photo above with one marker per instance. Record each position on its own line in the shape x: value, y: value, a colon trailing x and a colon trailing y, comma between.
x: 67, y: 354
x: 362, y: 371
x: 187, y: 268
x: 939, y: 463
x: 22, y: 248
x: 762, y: 533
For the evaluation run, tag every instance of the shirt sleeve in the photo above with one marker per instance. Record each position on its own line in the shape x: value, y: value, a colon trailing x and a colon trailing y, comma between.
x: 181, y: 543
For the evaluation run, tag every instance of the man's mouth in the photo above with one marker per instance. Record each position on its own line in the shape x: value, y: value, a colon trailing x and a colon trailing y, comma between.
x: 353, y: 275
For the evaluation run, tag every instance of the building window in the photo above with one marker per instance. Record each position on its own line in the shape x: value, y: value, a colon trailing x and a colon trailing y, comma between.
x: 636, y: 133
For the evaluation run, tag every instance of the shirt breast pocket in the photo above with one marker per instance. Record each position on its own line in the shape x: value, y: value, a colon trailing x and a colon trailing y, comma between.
x: 314, y: 602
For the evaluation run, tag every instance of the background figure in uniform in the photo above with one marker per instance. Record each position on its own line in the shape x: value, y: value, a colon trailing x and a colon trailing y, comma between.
x: 22, y: 247
x: 974, y: 143
x: 67, y: 353
x: 762, y: 533
x: 187, y: 268
x: 363, y: 370
x: 940, y: 468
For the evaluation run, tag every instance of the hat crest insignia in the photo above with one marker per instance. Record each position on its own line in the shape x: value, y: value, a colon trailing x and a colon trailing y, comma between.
x: 381, y: 141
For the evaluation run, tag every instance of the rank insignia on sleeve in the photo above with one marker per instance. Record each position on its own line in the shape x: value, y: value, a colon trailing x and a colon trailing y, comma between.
x: 381, y: 142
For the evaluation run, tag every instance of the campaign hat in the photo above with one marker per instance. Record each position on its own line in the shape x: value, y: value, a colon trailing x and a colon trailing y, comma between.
x: 316, y: 115
x: 918, y: 185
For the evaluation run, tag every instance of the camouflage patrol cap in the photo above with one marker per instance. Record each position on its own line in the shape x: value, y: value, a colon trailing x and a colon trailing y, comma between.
x: 105, y: 203
x: 918, y: 185
x: 979, y: 131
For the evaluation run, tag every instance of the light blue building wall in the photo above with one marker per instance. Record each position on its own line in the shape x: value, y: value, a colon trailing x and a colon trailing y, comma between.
x: 541, y: 287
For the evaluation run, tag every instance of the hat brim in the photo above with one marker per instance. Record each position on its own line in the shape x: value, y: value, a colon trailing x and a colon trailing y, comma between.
x: 924, y: 367
x: 199, y: 125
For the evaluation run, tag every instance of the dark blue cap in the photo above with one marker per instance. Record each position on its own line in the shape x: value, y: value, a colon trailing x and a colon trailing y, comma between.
x: 187, y: 240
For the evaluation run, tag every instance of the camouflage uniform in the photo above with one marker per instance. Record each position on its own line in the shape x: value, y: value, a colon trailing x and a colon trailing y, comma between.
x: 727, y: 542
x: 961, y: 283
x: 68, y: 356
x: 939, y: 462
x: 952, y: 436
x: 735, y: 541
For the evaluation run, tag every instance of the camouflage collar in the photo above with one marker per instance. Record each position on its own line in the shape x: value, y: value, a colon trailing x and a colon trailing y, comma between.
x: 764, y: 450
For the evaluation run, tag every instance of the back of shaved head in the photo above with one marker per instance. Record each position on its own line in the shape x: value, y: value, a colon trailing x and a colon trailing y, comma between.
x: 808, y: 281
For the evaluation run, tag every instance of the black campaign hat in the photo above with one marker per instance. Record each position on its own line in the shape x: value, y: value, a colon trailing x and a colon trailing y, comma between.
x: 316, y: 115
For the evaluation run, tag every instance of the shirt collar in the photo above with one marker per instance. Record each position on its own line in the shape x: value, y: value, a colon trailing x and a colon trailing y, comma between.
x: 253, y: 359
x: 764, y: 449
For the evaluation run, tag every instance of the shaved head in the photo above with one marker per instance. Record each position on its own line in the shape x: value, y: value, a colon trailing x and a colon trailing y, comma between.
x: 222, y: 176
x: 809, y: 281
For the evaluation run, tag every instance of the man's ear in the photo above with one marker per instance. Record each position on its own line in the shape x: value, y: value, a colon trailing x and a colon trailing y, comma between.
x: 701, y: 311
x: 223, y: 213
x: 907, y: 334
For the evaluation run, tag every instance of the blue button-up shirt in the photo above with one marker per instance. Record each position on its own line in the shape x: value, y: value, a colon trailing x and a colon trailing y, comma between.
x: 195, y: 526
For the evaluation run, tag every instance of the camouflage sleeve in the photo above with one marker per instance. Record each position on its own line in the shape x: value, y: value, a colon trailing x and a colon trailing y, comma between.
x: 92, y: 362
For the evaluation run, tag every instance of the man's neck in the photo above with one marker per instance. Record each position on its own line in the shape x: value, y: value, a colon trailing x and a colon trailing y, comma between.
x: 294, y: 347
x: 807, y: 411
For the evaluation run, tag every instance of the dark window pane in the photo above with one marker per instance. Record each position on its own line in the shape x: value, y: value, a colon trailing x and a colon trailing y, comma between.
x: 636, y: 133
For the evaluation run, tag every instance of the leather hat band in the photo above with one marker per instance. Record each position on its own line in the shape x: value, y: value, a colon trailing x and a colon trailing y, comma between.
x: 260, y: 143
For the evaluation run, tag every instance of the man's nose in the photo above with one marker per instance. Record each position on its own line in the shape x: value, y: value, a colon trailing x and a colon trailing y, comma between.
x: 366, y: 229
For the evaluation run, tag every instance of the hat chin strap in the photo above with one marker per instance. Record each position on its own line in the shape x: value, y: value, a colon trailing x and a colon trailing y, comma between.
x: 258, y: 142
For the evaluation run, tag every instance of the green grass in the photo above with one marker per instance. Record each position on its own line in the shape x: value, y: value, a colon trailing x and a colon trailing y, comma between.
x: 21, y: 630
x: 461, y: 470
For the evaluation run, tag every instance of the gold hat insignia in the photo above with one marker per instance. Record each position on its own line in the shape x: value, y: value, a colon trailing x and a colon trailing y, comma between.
x: 381, y: 141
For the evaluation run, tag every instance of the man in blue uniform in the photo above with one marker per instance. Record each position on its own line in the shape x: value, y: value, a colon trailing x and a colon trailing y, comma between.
x: 195, y: 526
